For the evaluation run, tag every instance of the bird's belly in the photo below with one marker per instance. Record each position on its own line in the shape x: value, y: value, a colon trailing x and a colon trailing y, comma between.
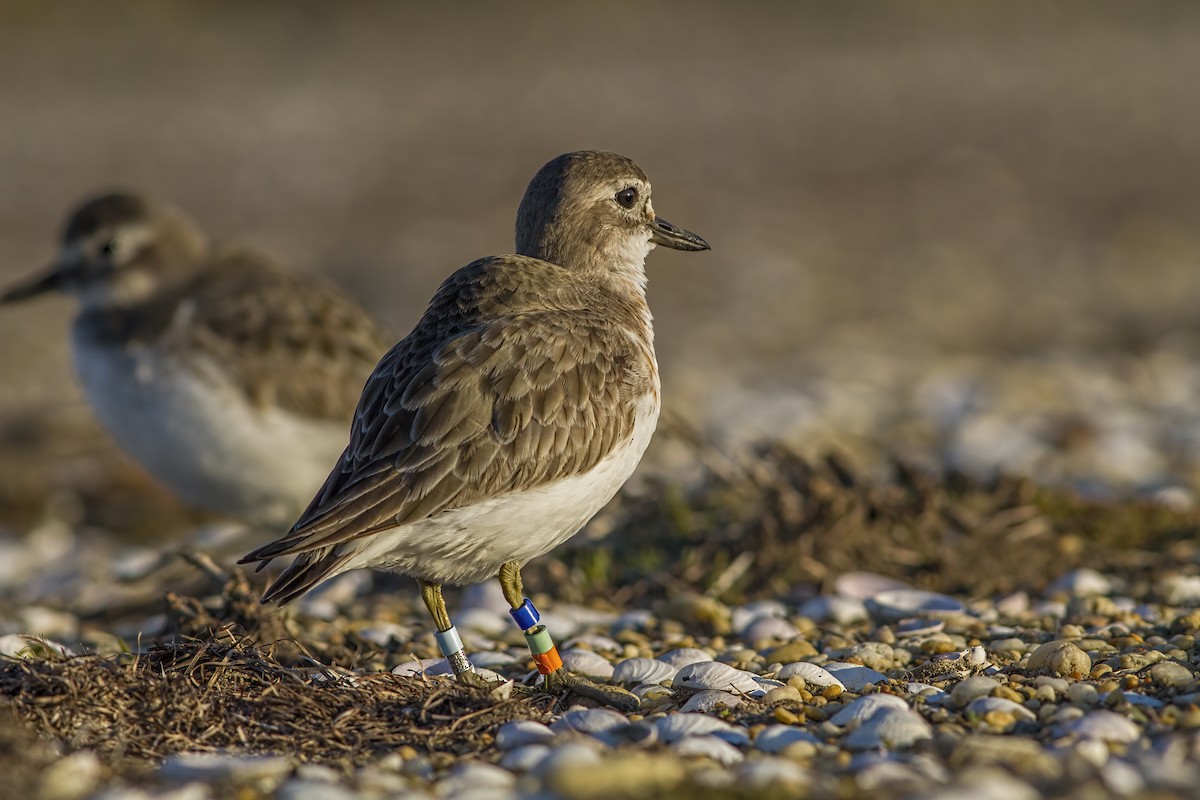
x: 197, y: 434
x: 468, y: 545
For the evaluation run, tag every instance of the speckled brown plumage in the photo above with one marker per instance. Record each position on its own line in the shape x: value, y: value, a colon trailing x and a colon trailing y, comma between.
x: 525, y: 370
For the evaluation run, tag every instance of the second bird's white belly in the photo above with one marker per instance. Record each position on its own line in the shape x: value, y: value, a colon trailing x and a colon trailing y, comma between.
x: 196, y: 433
x: 468, y: 545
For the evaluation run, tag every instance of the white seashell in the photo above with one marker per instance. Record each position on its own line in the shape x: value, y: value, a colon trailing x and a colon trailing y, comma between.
x: 595, y: 642
x: 525, y: 758
x: 1104, y: 726
x: 854, y: 676
x: 812, y: 674
x: 521, y: 732
x: 589, y: 721
x: 643, y: 670
x: 423, y: 666
x: 715, y: 675
x: 842, y: 610
x: 711, y: 700
x: 708, y: 747
x: 743, y: 617
x: 762, y: 773
x: 635, y: 620
x: 861, y: 585
x: 674, y: 727
x: 585, y: 662
x: 898, y: 604
x: 777, y: 738
x: 893, y: 729
x: 866, y: 707
x: 769, y: 628
x: 767, y: 684
x: 684, y: 656
x: 986, y: 705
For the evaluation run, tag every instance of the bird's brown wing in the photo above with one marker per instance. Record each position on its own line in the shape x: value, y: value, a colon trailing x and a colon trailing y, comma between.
x: 288, y: 340
x: 506, y: 406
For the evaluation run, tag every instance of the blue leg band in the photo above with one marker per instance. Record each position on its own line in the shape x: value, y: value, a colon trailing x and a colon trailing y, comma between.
x: 526, y: 616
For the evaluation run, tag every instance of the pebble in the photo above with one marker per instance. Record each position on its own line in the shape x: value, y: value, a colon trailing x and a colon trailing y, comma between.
x: 1082, y: 582
x: 970, y: 688
x: 863, y: 585
x: 524, y: 758
x: 896, y: 604
x: 1172, y: 674
x: 589, y: 721
x: 781, y: 773
x: 220, y: 768
x: 982, y: 706
x: 71, y: 777
x: 304, y: 789
x: 777, y: 738
x: 839, y: 610
x: 709, y: 747
x: 1059, y: 657
x: 1103, y: 725
x: 891, y: 728
x: 862, y: 709
x: 676, y: 726
x: 521, y: 732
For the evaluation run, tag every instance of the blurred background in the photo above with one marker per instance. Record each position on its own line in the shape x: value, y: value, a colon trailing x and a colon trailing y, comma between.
x: 967, y: 233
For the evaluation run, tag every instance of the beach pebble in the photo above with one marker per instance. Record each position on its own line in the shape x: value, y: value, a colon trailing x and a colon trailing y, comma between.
x: 764, y: 773
x: 589, y: 721
x: 839, y: 610
x: 221, y: 768
x: 71, y: 777
x: 769, y: 628
x: 862, y: 585
x: 525, y: 758
x: 673, y: 727
x: 896, y: 604
x: 982, y: 706
x: 777, y: 738
x: 522, y: 732
x: 1059, y: 657
x: 1082, y: 582
x: 1105, y: 726
x: 892, y: 728
x: 709, y: 747
x: 968, y: 689
x: 865, y: 707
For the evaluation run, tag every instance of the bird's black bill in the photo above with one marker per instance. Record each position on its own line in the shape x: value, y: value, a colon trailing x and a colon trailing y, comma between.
x: 666, y: 234
x: 49, y: 281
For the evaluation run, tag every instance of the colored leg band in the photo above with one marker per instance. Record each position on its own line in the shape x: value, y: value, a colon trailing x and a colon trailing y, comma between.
x: 448, y: 641
x: 526, y: 616
x: 545, y: 654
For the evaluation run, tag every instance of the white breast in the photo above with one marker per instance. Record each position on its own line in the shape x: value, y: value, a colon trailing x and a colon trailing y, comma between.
x: 196, y: 433
x: 468, y: 545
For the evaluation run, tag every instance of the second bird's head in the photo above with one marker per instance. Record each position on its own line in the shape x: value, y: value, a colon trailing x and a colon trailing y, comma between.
x: 116, y: 250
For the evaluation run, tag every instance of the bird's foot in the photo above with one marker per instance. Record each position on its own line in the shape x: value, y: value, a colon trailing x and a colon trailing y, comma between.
x: 611, y: 696
x: 476, y: 681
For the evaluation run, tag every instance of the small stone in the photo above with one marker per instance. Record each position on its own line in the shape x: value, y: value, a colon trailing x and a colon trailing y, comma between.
x: 798, y: 650
x: 866, y: 707
x: 525, y: 758
x: 970, y: 688
x: 782, y: 694
x: 708, y: 747
x: 876, y: 655
x: 1172, y: 674
x: 521, y: 732
x: 894, y: 729
x: 71, y: 777
x: 777, y: 738
x: 1106, y: 726
x: 1060, y: 657
x: 786, y: 716
x: 220, y: 768
x: 774, y: 773
x: 1082, y: 694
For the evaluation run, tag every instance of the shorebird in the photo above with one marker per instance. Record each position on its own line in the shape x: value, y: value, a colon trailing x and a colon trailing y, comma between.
x: 229, y: 380
x: 514, y: 410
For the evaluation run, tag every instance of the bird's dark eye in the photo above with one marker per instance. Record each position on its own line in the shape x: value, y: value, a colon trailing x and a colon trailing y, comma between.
x: 627, y: 197
x: 109, y: 248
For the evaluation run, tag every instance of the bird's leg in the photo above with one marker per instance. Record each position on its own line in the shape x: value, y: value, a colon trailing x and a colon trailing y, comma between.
x: 544, y: 651
x: 448, y: 640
